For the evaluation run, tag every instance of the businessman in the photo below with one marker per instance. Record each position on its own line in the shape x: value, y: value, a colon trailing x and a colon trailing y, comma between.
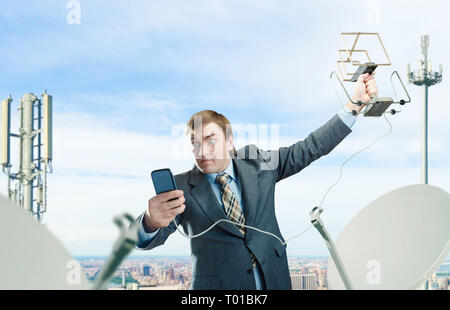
x: 238, y: 186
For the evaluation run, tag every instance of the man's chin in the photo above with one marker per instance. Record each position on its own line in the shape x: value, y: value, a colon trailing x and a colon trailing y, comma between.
x: 206, y: 168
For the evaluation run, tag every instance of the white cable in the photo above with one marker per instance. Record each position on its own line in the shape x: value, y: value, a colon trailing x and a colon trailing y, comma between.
x: 348, y: 159
x: 234, y: 223
x: 321, y: 202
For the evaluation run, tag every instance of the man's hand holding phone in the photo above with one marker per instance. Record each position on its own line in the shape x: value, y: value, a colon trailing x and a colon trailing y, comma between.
x: 162, y: 209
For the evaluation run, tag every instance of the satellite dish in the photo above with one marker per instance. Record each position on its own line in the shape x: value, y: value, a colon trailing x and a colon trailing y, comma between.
x: 397, y: 242
x: 32, y: 258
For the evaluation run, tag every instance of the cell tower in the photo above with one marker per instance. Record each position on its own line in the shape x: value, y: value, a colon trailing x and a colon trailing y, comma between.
x: 425, y: 77
x: 28, y: 186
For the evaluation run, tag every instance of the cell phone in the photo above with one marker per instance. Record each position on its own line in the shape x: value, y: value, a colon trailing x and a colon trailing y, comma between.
x: 163, y: 181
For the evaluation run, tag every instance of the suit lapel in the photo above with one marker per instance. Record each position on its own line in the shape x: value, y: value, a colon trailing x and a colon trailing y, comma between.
x: 206, y: 199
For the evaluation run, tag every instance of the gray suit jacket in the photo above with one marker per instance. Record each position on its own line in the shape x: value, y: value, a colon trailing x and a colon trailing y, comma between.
x: 221, y: 258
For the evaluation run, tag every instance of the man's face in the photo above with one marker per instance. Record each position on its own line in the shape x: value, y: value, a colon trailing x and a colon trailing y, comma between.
x: 211, y: 148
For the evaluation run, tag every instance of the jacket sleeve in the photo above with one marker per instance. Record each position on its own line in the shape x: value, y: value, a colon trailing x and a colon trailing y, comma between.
x: 157, y: 239
x: 320, y: 142
x: 287, y: 161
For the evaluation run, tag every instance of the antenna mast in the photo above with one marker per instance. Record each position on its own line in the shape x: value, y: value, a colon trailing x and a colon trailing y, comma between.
x: 426, y: 77
x: 28, y: 186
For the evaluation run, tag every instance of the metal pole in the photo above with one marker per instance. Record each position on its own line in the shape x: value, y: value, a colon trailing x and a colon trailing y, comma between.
x: 27, y: 150
x: 425, y: 77
x: 318, y: 224
x: 39, y: 213
x: 425, y: 136
x: 10, y: 192
x: 425, y: 44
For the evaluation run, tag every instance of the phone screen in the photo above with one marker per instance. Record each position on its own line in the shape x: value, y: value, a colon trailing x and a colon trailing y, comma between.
x: 163, y: 180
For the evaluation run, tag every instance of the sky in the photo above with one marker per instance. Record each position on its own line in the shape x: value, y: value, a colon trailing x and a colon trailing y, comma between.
x: 128, y: 76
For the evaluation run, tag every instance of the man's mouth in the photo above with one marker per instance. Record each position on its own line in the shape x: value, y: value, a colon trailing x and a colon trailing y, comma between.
x: 205, y: 161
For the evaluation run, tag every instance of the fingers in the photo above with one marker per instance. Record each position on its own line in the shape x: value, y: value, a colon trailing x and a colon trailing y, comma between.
x: 362, y: 77
x: 162, y: 216
x: 370, y: 82
x: 366, y: 77
x: 163, y: 197
x: 162, y: 210
x: 370, y: 77
x: 174, y: 203
x: 371, y: 87
x: 169, y: 215
x: 178, y: 210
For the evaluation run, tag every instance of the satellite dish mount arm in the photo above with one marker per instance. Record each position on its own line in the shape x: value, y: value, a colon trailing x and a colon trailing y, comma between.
x: 318, y: 224
x: 123, y: 246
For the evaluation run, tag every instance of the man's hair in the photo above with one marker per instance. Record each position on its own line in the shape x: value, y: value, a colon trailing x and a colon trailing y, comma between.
x: 210, y: 116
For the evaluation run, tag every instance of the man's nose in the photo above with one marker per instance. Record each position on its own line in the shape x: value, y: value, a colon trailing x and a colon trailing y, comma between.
x: 205, y: 149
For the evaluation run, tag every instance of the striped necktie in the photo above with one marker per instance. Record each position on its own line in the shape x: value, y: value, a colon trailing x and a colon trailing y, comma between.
x: 231, y: 205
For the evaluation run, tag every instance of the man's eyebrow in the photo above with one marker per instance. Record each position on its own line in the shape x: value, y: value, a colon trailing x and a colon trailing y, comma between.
x: 208, y: 136
x: 205, y: 137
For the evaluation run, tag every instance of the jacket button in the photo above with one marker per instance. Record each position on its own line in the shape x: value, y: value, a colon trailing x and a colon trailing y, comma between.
x: 249, y: 270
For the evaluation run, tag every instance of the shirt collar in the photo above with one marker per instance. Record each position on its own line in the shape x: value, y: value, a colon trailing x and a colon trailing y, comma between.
x: 229, y: 170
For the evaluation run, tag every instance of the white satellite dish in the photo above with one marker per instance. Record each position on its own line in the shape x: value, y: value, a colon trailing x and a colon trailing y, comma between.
x: 31, y: 257
x: 396, y: 242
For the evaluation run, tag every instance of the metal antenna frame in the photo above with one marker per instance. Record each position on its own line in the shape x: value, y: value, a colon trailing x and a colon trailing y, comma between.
x: 353, y: 50
x: 373, y: 101
x: 377, y: 105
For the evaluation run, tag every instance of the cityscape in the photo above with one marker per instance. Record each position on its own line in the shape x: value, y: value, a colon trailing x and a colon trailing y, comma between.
x: 175, y: 273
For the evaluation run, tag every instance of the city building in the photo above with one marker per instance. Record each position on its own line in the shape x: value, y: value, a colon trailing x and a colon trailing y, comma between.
x: 304, y: 281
